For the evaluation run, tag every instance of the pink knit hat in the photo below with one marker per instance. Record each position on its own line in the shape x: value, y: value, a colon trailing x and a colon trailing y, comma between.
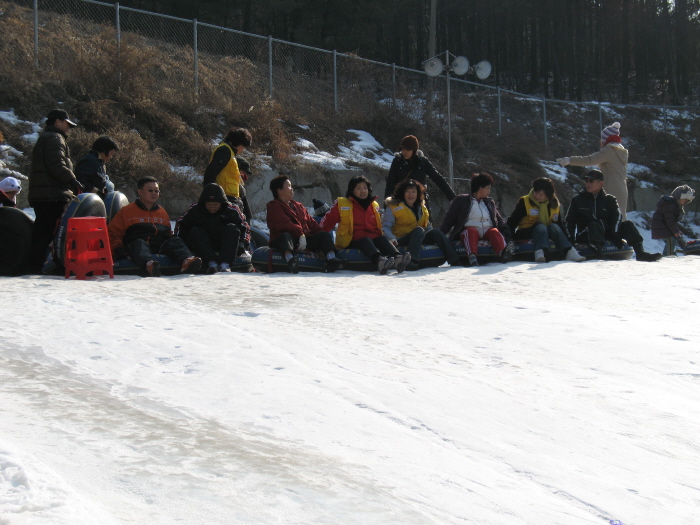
x: 611, y: 130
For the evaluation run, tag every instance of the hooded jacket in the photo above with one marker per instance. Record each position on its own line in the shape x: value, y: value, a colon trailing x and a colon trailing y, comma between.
x: 664, y: 222
x: 197, y: 215
x: 418, y: 168
x: 399, y: 219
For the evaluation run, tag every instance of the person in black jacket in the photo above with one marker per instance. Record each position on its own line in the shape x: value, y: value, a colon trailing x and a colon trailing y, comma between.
x: 669, y: 212
x: 214, y: 225
x: 90, y: 171
x: 594, y: 216
x: 52, y: 184
x: 410, y: 163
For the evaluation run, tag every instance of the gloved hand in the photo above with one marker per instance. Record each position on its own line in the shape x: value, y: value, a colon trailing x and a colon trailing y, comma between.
x: 302, y: 243
x: 564, y: 161
x: 617, y: 240
x: 76, y: 186
x: 395, y: 242
x: 680, y: 240
x: 120, y: 253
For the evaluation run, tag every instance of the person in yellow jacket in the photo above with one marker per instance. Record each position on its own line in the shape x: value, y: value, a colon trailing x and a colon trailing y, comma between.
x: 360, y: 226
x: 223, y: 167
x: 537, y: 216
x: 406, y: 222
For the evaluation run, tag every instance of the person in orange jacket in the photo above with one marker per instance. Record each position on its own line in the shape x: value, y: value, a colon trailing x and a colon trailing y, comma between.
x: 142, y: 228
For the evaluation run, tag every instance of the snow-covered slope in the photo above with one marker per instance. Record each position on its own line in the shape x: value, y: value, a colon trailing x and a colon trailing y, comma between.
x: 558, y: 393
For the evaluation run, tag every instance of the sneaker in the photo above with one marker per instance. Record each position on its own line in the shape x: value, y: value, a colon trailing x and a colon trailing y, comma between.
x: 333, y: 265
x: 402, y: 261
x: 472, y: 260
x: 153, y: 268
x: 293, y: 265
x: 211, y: 268
x: 506, y: 256
x: 648, y: 257
x: 413, y: 266
x: 539, y: 256
x: 224, y: 267
x: 573, y: 255
x: 384, y: 263
x: 599, y: 251
x: 191, y: 265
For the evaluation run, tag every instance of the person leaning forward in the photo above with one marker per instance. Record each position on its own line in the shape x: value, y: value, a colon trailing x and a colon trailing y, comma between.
x: 594, y: 217
x: 293, y: 228
x: 142, y: 228
x: 223, y: 167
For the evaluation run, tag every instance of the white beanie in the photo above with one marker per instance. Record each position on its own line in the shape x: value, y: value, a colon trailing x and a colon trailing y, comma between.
x: 10, y: 184
x: 613, y: 129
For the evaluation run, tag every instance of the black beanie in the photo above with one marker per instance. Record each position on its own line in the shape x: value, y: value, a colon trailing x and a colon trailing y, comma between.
x: 213, y: 193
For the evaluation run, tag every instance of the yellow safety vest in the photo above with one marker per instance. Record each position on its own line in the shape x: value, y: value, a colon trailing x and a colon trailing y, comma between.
x: 343, y: 234
x: 405, y: 220
x: 229, y: 178
x: 532, y: 214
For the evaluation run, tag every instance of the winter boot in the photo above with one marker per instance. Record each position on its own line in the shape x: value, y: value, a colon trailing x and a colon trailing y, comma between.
x: 153, y: 268
x: 472, y: 260
x: 211, y: 268
x: 539, y: 256
x: 333, y: 265
x: 224, y: 267
x: 402, y: 262
x: 384, y: 263
x: 293, y: 265
x: 191, y: 265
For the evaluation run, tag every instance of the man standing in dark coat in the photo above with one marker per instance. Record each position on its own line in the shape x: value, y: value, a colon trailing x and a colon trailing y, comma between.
x: 52, y: 183
x: 594, y: 217
x: 410, y: 163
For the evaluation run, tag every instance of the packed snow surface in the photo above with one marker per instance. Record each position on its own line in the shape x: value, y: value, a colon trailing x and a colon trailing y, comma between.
x: 558, y: 393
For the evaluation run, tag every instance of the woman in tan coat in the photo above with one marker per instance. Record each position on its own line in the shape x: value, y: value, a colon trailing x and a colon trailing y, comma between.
x: 612, y: 161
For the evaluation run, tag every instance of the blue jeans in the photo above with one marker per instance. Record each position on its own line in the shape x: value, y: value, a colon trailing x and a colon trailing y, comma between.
x: 541, y: 235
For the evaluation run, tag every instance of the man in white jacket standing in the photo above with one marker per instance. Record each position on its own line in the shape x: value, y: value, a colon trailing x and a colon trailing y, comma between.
x: 612, y: 161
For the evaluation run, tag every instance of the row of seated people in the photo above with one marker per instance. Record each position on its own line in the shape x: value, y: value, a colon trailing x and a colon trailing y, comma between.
x: 214, y: 231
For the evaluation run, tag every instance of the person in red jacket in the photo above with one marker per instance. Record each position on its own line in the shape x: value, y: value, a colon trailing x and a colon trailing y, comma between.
x: 292, y: 227
x: 360, y: 226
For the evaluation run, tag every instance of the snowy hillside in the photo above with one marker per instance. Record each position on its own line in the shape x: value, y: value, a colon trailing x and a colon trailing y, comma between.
x: 557, y: 393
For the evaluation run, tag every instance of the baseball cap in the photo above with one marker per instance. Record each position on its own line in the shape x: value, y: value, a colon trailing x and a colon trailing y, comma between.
x: 60, y: 114
x: 594, y: 175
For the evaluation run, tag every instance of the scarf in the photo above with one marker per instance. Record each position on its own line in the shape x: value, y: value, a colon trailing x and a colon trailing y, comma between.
x: 544, y: 208
x: 364, y: 202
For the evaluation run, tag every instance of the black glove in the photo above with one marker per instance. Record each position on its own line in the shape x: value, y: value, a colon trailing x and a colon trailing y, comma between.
x: 76, y: 186
x: 120, y: 253
x: 618, y: 240
x: 681, y: 242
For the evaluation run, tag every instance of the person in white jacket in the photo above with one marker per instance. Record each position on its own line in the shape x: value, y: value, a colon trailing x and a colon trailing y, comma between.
x: 612, y: 162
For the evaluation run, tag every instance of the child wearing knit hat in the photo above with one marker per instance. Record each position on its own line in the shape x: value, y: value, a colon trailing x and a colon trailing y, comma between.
x: 669, y: 212
x: 10, y: 187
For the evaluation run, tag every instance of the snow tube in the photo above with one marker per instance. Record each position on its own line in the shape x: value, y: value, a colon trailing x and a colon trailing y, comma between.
x: 610, y: 251
x: 169, y: 267
x: 691, y: 247
x: 258, y: 239
x: 83, y: 205
x: 15, y: 241
x: 269, y: 260
x: 430, y: 256
x: 114, y: 201
x: 525, y: 251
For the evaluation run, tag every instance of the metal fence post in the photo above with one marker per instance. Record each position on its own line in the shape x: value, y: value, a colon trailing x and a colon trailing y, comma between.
x: 119, y: 47
x: 196, y: 61
x: 544, y: 114
x: 269, y: 51
x: 393, y: 85
x: 36, y: 34
x: 500, y: 114
x: 600, y: 116
x: 335, y: 80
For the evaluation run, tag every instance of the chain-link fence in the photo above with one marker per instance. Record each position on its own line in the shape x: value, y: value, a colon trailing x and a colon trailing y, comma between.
x: 311, y: 80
